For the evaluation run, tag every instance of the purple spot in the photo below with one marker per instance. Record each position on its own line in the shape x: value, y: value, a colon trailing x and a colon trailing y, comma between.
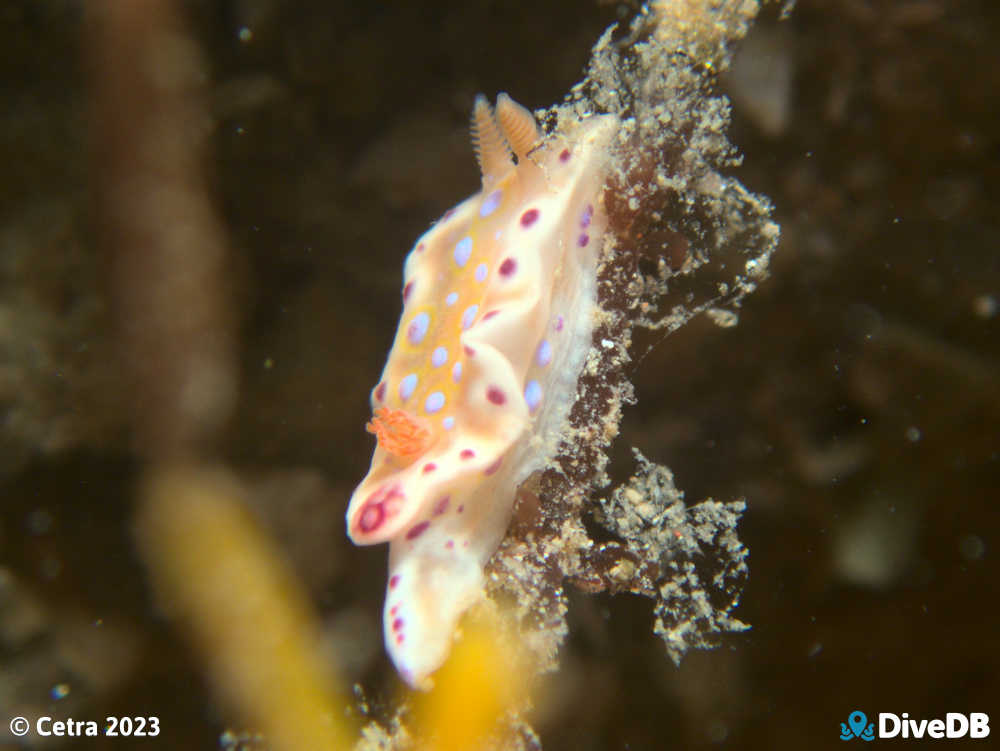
x: 564, y: 156
x: 379, y: 506
x: 439, y: 357
x: 407, y: 386
x: 467, y: 453
x: 496, y: 396
x: 417, y: 530
x: 429, y: 467
x: 417, y: 329
x: 394, y: 609
x: 399, y: 638
x: 559, y: 323
x: 456, y: 372
x: 434, y: 402
x: 533, y: 395
x: 393, y: 581
x: 493, y: 467
x: 508, y: 267
x: 450, y: 544
x: 468, y: 350
x: 371, y: 518
x: 461, y: 508
x: 543, y: 356
x: 397, y: 624
x: 463, y: 249
x: 421, y: 247
x: 469, y: 316
x: 380, y: 391
x: 448, y: 423
x: 586, y: 216
x: 583, y: 239
x: 451, y: 299
x: 481, y: 272
x: 491, y: 314
x: 407, y: 290
x: 491, y: 203
x: 441, y: 506
x: 529, y: 217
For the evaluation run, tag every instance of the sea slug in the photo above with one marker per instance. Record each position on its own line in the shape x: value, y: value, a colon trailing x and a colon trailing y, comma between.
x: 499, y: 299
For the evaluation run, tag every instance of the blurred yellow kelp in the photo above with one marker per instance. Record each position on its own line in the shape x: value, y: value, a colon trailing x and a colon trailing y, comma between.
x: 227, y: 586
x: 483, y: 680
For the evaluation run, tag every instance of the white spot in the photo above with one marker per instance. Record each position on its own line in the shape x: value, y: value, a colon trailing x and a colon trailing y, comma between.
x: 451, y: 299
x: 417, y: 329
x: 448, y: 423
x: 456, y: 372
x: 407, y: 386
x: 434, y: 402
x: 439, y: 357
x: 533, y: 395
x: 469, y: 316
x: 491, y: 203
x: 481, y: 272
x: 607, y: 344
x: 463, y: 249
x: 544, y: 354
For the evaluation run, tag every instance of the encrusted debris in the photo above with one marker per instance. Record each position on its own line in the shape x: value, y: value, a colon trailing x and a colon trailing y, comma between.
x: 686, y: 239
x: 689, y: 559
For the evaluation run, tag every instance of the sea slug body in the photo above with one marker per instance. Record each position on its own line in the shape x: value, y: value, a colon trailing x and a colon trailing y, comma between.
x: 499, y: 301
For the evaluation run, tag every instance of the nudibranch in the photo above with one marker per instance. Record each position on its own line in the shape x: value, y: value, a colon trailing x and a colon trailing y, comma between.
x: 499, y: 300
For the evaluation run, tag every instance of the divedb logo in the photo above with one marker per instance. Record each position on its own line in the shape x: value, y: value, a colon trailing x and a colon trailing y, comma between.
x: 954, y: 725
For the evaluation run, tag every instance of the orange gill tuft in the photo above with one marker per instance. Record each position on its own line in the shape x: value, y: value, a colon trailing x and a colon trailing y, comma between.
x: 399, y: 432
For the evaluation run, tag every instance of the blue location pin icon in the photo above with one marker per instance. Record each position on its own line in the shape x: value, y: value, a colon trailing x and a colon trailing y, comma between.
x: 857, y: 721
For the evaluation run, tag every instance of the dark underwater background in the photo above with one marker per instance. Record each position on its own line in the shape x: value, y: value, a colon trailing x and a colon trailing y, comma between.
x: 856, y: 406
